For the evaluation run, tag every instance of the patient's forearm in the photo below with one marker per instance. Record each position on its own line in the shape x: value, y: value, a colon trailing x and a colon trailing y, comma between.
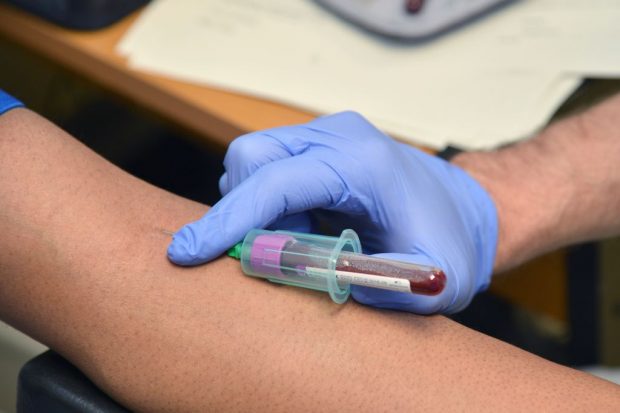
x: 83, y: 269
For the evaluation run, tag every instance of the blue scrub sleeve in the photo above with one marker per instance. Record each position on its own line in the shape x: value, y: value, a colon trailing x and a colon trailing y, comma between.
x: 8, y: 102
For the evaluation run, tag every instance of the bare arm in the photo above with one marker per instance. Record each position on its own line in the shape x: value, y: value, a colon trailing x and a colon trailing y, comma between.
x: 560, y: 188
x: 83, y: 269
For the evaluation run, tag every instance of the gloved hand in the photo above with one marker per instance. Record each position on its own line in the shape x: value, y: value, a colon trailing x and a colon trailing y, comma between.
x: 397, y: 198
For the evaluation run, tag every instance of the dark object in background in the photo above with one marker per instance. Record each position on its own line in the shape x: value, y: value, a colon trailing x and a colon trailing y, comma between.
x: 48, y: 383
x: 412, y: 20
x: 80, y: 14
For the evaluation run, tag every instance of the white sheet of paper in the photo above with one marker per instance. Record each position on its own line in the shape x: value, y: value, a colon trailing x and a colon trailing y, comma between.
x: 297, y: 53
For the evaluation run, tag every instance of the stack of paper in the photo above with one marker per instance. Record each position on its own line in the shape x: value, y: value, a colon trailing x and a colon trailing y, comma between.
x: 492, y: 82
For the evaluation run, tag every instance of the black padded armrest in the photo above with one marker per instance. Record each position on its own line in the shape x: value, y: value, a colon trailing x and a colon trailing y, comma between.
x: 48, y: 383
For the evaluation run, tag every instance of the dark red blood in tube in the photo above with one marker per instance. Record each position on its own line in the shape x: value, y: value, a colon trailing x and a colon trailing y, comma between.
x: 420, y: 281
x: 430, y: 281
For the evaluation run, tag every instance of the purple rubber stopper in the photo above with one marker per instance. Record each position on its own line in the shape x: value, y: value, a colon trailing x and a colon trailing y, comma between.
x: 266, y: 252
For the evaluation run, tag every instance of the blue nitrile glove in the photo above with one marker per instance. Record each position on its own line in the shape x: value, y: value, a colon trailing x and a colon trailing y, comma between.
x: 398, y: 199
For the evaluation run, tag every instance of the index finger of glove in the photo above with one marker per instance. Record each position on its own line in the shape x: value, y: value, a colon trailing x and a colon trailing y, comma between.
x: 280, y: 189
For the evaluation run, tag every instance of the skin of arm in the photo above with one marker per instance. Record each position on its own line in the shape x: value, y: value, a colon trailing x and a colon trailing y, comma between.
x: 559, y: 188
x: 83, y: 269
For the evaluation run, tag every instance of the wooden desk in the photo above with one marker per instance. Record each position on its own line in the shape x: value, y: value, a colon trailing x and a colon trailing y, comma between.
x: 213, y: 114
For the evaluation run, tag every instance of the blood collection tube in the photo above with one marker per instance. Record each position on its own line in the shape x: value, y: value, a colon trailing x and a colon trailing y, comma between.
x: 420, y: 279
x: 330, y: 264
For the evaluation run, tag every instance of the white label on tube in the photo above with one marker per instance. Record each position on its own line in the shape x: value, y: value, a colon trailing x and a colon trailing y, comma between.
x: 367, y: 280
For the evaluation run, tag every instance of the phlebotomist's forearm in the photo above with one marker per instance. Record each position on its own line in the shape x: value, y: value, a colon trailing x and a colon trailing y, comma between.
x: 556, y: 189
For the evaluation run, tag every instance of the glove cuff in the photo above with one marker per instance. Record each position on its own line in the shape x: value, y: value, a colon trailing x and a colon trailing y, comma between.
x: 8, y: 102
